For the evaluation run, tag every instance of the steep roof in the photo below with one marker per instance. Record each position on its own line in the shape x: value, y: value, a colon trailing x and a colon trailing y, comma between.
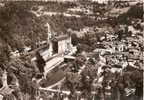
x: 60, y: 37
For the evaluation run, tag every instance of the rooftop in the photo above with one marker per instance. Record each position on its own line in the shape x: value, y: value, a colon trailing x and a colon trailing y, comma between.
x: 59, y: 38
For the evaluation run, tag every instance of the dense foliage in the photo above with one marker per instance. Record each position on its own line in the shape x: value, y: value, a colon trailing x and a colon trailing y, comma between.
x: 19, y: 27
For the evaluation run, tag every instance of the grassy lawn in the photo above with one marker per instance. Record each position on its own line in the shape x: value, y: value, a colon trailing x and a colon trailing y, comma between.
x: 53, y: 77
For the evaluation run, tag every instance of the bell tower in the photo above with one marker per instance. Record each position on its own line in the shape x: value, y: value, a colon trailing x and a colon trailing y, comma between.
x: 49, y: 32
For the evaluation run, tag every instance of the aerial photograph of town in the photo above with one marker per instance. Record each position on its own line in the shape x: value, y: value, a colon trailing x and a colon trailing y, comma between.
x: 71, y: 49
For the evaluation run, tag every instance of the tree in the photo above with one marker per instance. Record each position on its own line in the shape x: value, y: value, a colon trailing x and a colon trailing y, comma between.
x: 40, y: 62
x: 19, y: 27
x: 4, y: 54
x: 136, y: 11
x: 75, y: 39
x: 72, y: 81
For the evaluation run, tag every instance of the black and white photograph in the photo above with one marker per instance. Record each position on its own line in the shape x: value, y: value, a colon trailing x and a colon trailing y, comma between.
x: 71, y: 49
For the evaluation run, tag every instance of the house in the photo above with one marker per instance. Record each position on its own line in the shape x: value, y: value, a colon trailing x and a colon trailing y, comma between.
x: 100, y: 1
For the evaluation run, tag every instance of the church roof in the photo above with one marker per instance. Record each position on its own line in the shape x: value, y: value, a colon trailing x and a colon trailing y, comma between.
x: 61, y: 37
